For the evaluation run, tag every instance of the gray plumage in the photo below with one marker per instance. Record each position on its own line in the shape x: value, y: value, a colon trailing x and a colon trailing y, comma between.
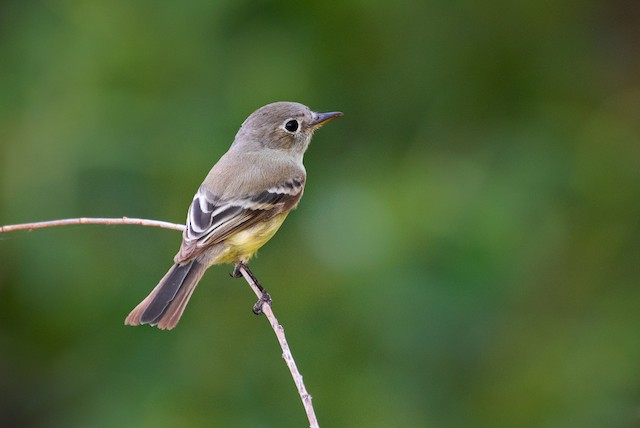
x: 240, y: 205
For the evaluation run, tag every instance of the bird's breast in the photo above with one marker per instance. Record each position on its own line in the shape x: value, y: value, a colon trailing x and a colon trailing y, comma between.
x: 242, y: 245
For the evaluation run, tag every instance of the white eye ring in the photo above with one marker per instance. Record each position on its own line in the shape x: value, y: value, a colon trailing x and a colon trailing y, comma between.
x: 291, y: 125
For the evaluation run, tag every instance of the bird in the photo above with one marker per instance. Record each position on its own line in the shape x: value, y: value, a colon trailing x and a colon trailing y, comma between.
x: 240, y: 205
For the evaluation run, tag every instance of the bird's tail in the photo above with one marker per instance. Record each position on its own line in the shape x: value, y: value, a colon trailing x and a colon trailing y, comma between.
x: 163, y: 307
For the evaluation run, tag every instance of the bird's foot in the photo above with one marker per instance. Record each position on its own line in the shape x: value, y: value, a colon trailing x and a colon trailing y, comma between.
x: 236, y: 271
x: 264, y: 299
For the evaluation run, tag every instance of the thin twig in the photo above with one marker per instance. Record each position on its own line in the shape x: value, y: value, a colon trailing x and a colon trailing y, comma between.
x: 286, y: 352
x: 266, y: 308
x: 85, y: 220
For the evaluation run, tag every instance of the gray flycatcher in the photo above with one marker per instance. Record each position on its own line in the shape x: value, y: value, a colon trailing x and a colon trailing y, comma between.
x: 240, y: 205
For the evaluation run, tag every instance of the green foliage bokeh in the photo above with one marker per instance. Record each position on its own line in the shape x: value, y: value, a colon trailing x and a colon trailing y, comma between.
x: 466, y: 253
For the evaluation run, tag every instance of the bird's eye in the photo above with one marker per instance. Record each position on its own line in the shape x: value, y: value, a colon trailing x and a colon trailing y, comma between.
x: 291, y: 125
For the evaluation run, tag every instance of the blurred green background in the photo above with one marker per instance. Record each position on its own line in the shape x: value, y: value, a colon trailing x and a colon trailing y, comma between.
x: 467, y: 253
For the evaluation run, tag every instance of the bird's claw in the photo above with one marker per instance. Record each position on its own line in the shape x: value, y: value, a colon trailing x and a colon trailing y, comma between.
x: 264, y: 299
x: 236, y: 271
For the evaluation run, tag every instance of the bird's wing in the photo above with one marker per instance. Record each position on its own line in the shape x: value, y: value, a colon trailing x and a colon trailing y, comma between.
x: 211, y: 219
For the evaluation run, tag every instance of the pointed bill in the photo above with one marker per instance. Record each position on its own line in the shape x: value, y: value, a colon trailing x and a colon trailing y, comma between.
x: 322, y: 118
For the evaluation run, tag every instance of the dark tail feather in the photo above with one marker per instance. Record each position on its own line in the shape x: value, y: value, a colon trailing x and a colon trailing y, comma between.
x: 165, y: 304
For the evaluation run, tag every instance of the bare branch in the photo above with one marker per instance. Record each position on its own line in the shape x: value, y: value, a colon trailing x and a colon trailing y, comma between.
x: 84, y: 220
x: 286, y: 352
x: 266, y: 308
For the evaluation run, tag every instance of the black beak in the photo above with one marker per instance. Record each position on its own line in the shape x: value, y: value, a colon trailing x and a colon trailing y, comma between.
x: 322, y: 118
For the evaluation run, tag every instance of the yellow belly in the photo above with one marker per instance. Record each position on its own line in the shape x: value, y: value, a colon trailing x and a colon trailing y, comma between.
x: 242, y: 245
